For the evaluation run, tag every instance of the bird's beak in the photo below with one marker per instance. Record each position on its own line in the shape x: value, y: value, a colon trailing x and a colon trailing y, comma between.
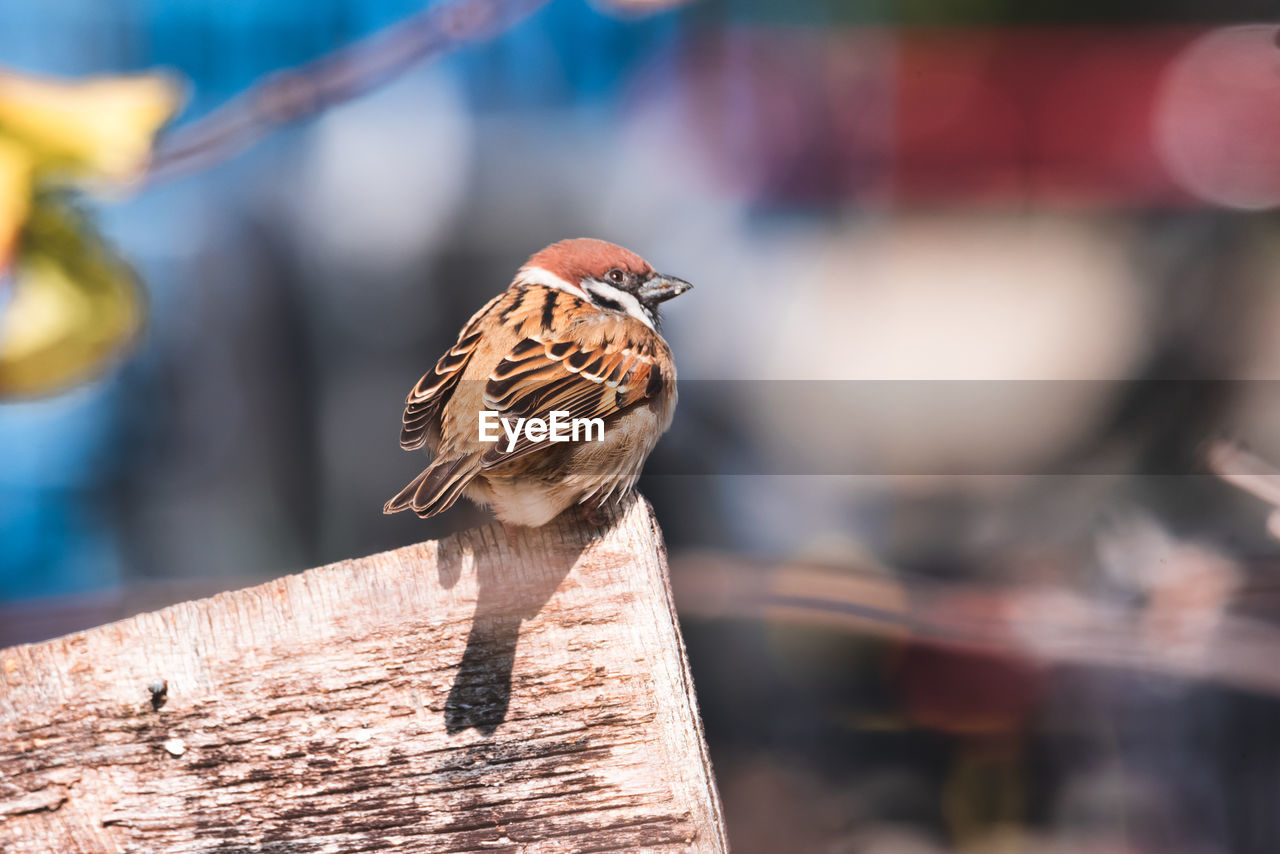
x: 662, y: 288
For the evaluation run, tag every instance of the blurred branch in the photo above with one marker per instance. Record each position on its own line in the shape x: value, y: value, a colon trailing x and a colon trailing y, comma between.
x: 1052, y: 626
x: 289, y: 95
x: 1242, y: 468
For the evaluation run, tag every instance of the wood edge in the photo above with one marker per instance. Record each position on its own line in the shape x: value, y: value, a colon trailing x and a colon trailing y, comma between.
x: 715, y: 818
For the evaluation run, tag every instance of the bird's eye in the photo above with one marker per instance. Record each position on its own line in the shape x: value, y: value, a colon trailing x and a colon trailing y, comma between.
x: 615, y: 276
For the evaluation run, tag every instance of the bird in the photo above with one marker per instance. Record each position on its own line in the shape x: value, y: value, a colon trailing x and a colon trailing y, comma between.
x: 575, y: 336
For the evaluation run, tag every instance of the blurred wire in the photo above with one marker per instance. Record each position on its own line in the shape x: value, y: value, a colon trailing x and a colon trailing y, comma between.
x: 295, y: 93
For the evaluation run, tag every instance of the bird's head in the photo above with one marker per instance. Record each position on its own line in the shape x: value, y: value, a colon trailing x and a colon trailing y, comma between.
x: 606, y: 275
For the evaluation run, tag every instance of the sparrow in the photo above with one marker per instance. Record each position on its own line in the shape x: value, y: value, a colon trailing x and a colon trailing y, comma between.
x: 576, y: 334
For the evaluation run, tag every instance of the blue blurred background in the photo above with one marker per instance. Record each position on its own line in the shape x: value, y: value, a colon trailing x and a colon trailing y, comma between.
x: 976, y: 284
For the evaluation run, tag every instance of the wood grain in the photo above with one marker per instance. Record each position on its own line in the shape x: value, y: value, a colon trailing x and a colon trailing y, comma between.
x: 470, y: 694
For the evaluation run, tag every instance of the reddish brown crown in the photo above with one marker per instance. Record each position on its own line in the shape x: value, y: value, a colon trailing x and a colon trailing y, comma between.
x: 585, y: 257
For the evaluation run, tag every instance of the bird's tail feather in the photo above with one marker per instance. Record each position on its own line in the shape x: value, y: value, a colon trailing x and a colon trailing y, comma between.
x: 437, y: 487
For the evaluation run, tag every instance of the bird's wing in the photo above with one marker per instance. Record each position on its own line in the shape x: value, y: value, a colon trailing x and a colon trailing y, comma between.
x: 540, y: 376
x: 423, y: 406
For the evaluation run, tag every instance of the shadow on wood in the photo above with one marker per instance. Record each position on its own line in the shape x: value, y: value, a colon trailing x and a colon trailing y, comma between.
x: 471, y: 694
x: 481, y: 690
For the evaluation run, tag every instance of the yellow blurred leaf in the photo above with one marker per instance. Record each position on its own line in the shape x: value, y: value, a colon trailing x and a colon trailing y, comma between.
x: 99, y: 129
x: 75, y: 305
x: 15, y: 196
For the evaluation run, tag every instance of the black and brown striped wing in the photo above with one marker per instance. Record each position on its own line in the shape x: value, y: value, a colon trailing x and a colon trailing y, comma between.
x: 540, y: 376
x: 423, y: 406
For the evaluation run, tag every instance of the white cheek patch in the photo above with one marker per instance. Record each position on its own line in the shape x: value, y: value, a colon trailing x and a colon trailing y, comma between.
x: 542, y: 276
x: 630, y: 304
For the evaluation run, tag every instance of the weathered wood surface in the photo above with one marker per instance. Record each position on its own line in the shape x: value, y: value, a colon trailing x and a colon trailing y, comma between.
x: 471, y: 694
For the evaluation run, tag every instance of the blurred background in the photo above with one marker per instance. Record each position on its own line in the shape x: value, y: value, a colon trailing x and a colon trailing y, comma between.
x: 962, y: 558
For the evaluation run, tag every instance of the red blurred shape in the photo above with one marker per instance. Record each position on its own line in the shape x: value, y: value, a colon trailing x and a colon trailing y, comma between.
x: 1044, y: 116
x: 967, y: 692
x: 1061, y: 116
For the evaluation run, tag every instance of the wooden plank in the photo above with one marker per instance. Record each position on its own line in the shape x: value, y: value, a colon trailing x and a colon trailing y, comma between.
x: 470, y: 694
